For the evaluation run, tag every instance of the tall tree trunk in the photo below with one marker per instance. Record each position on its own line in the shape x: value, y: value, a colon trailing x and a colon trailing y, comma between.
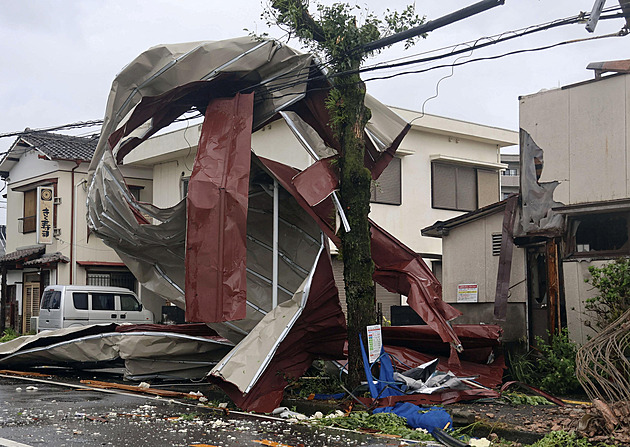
x: 355, y: 198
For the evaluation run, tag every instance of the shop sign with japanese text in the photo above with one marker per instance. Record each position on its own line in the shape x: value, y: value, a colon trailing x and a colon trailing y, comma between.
x: 45, y: 210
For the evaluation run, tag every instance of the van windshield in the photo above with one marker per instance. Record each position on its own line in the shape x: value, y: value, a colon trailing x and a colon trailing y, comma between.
x: 51, y: 299
x: 129, y: 302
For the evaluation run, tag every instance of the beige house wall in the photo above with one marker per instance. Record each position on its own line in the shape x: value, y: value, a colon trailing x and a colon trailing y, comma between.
x: 584, y: 132
x: 468, y: 259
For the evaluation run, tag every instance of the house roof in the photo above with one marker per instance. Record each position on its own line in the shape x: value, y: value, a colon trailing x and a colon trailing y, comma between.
x: 442, y: 228
x: 48, y: 258
x: 33, y: 256
x: 54, y: 146
x: 61, y: 147
x: 23, y: 255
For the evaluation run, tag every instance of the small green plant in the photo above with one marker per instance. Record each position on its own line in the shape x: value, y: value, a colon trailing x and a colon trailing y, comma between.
x: 521, y: 366
x: 8, y: 334
x: 566, y: 439
x: 556, y: 364
x: 550, y: 367
x: 613, y: 282
x: 524, y: 399
x: 189, y: 416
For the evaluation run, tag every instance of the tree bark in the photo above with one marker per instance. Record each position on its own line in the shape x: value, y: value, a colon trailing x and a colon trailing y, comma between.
x: 356, y: 244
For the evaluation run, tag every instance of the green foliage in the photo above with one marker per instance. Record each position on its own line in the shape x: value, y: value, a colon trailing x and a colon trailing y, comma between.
x: 524, y: 399
x: 397, y: 22
x: 566, y: 439
x: 189, y: 416
x: 337, y: 32
x: 556, y: 365
x: 8, y: 334
x: 388, y: 423
x: 613, y: 282
x: 329, y: 32
x: 317, y: 380
x: 551, y: 367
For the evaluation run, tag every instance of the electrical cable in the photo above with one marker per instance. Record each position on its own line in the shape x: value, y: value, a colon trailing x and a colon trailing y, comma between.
x: 528, y: 31
x: 379, y: 66
x: 562, y: 43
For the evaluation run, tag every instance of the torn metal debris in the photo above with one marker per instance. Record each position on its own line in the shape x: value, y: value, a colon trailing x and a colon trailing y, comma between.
x: 145, y: 351
x: 212, y: 253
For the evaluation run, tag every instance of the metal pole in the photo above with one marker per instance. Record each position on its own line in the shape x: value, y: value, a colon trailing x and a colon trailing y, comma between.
x: 274, y: 278
x: 3, y: 299
x: 434, y: 24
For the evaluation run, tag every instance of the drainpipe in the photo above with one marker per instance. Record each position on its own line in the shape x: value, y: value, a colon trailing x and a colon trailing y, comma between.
x: 274, y: 289
x: 72, y: 223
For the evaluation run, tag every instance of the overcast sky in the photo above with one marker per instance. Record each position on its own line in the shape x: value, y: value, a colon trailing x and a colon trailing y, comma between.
x: 60, y: 57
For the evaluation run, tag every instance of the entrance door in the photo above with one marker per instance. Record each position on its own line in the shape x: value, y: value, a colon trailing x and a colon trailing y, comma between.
x: 537, y: 294
x: 30, y: 306
x: 543, y: 290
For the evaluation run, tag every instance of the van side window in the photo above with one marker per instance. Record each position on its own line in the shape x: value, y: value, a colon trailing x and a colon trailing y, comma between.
x: 51, y: 299
x: 129, y: 302
x: 80, y: 300
x: 102, y: 301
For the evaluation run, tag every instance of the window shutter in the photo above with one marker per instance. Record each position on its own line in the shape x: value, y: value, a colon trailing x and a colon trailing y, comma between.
x: 387, y: 189
x: 30, y: 211
x: 466, y: 188
x: 444, y: 189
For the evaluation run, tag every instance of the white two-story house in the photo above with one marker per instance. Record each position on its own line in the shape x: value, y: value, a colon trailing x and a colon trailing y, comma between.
x: 71, y: 255
x: 443, y: 168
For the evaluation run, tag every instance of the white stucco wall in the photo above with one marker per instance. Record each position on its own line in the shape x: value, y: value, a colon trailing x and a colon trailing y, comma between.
x: 171, y: 157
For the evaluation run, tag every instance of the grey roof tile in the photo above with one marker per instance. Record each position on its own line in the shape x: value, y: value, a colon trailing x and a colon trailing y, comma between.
x: 22, y: 255
x: 48, y: 258
x: 62, y: 147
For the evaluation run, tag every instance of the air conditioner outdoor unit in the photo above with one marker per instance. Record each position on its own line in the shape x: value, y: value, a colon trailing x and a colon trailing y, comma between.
x: 35, y: 324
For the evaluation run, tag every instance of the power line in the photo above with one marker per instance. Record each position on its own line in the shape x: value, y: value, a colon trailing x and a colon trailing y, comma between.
x: 76, y: 125
x: 295, y: 79
x: 435, y: 67
x: 514, y: 34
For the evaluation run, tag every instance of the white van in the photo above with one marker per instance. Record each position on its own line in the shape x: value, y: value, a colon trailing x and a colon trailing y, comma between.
x: 70, y: 306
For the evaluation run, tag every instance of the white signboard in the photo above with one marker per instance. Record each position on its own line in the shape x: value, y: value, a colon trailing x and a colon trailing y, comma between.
x: 374, y: 342
x: 467, y: 293
x: 45, y: 210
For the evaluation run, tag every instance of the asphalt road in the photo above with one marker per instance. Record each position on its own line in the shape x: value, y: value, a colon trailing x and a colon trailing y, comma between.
x: 52, y: 415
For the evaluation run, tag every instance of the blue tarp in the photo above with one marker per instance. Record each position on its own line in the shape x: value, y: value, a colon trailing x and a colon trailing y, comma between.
x: 385, y: 386
x: 426, y: 418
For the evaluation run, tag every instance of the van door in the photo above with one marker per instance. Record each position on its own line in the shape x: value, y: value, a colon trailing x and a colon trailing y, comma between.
x: 50, y: 314
x: 131, y: 309
x: 75, y: 309
x: 102, y: 309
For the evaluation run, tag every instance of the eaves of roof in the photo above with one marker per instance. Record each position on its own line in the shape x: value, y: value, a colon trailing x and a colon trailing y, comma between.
x: 442, y: 228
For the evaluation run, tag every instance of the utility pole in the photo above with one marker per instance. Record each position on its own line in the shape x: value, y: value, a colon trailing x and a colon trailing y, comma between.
x: 431, y: 25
